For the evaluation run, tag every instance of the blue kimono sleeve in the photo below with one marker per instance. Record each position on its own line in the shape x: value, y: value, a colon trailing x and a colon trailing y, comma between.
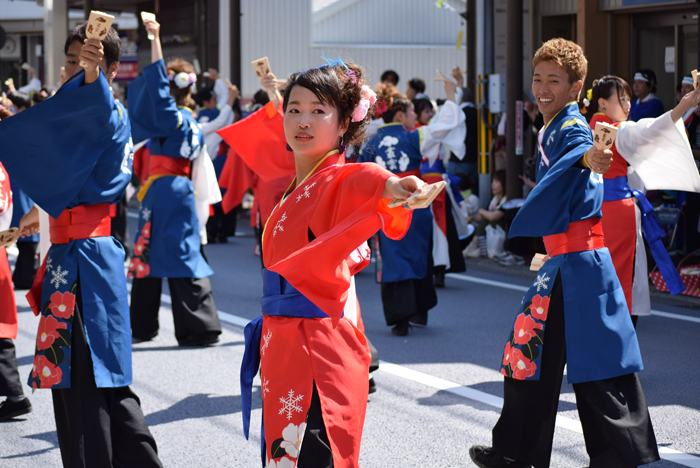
x: 51, y: 148
x: 547, y: 209
x: 153, y: 112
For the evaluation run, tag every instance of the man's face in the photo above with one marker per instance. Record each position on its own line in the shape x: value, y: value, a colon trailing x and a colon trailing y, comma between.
x: 640, y: 88
x: 211, y: 103
x: 410, y: 92
x: 552, y: 90
x: 73, y: 62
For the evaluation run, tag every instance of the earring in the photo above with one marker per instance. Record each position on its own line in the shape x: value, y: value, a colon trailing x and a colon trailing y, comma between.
x: 341, y: 149
x: 604, y: 109
x: 289, y: 148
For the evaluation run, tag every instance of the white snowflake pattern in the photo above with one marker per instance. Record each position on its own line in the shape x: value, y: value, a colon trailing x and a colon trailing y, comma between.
x: 58, y: 277
x: 289, y: 404
x: 146, y: 214
x: 278, y: 226
x: 541, y: 282
x: 263, y: 385
x: 266, y: 343
x: 49, y: 263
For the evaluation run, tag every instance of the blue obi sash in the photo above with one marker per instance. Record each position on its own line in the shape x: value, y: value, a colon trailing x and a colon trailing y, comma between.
x: 279, y: 299
x: 619, y: 189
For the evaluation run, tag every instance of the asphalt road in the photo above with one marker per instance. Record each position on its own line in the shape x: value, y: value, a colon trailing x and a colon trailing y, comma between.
x: 438, y: 388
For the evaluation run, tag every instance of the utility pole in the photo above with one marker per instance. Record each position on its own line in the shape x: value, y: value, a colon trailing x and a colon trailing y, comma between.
x: 514, y: 92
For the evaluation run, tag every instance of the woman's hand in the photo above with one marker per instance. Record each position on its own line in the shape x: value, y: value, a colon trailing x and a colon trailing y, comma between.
x: 153, y: 27
x: 450, y: 89
x: 402, y: 188
x: 29, y: 224
x: 689, y: 101
x: 269, y: 84
x: 527, y: 181
x: 233, y: 94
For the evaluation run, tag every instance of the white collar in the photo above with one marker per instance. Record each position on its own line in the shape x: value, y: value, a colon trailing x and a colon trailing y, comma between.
x: 647, y: 98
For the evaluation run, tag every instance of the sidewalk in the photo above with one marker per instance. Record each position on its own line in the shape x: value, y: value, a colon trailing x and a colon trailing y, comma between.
x: 523, y: 272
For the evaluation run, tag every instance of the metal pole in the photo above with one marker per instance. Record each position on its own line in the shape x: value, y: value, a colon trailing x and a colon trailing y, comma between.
x: 235, y: 45
x: 471, y: 44
x: 514, y: 87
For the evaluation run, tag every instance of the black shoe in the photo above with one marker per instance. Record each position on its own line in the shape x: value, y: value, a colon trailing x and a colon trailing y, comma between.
x: 485, y: 457
x: 12, y: 409
x: 372, y: 385
x: 439, y: 280
x: 223, y: 239
x: 207, y: 339
x: 401, y: 328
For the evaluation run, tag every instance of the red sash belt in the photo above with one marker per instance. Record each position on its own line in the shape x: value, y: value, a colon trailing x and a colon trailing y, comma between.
x: 164, y: 165
x: 81, y: 222
x: 415, y: 172
x: 579, y: 237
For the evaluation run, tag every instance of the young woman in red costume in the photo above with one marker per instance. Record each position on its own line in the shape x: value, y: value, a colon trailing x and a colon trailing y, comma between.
x: 655, y: 154
x: 313, y: 360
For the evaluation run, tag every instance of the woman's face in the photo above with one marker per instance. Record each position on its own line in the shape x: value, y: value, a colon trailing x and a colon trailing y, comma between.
x: 311, y: 127
x: 617, y: 107
x: 425, y: 115
x: 407, y: 119
x: 496, y: 187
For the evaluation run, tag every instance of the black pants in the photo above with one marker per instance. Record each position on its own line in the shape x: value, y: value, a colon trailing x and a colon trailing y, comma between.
x: 26, y: 266
x: 222, y: 225
x: 99, y: 427
x: 119, y: 227
x: 10, y: 384
x: 194, y: 310
x: 315, y: 448
x: 409, y: 300
x: 613, y: 412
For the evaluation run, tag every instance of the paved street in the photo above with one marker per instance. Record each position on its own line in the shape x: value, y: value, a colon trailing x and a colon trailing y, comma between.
x: 438, y: 389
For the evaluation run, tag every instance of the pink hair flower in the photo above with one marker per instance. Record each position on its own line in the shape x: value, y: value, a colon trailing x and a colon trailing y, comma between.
x: 368, y: 98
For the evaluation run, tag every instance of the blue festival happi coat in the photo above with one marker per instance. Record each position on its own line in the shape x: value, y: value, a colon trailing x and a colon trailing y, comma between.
x: 70, y: 150
x: 167, y: 241
x: 399, y: 151
x: 600, y: 340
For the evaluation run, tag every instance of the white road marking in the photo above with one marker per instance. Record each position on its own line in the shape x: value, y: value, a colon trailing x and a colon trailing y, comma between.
x: 466, y: 392
x: 515, y: 287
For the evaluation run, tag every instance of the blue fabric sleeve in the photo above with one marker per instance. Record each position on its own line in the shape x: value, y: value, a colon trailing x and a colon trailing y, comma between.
x: 152, y: 110
x: 548, y: 207
x: 51, y: 148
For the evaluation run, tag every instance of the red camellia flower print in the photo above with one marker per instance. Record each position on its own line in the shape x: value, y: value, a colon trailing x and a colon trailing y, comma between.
x: 146, y: 230
x: 62, y: 304
x: 507, y: 353
x: 522, y: 366
x: 48, y: 374
x: 141, y: 269
x: 48, y: 331
x: 539, y: 307
x: 140, y: 245
x: 524, y: 329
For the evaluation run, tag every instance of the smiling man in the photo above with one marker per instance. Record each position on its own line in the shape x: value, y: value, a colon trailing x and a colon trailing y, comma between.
x: 575, y: 312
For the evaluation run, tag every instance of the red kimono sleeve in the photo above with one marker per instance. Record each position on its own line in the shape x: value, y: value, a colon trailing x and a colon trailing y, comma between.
x: 259, y: 140
x: 235, y: 178
x: 350, y: 211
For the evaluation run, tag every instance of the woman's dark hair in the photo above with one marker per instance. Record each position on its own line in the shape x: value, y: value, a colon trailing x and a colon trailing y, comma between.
x: 204, y: 94
x: 650, y: 77
x: 261, y: 97
x: 417, y: 84
x: 391, y: 76
x: 390, y: 101
x: 501, y: 177
x: 111, y: 43
x: 606, y: 87
x: 337, y: 85
x: 181, y: 95
x: 19, y: 99
x: 422, y: 104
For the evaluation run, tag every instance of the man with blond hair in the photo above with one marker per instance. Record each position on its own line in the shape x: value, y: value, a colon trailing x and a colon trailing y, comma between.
x: 575, y: 312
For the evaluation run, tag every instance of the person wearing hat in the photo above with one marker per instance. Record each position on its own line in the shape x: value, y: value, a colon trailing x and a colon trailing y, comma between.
x: 646, y: 104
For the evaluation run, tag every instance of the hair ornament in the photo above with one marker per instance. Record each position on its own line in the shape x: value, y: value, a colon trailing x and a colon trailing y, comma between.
x: 382, y: 107
x: 182, y: 80
x: 368, y: 98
